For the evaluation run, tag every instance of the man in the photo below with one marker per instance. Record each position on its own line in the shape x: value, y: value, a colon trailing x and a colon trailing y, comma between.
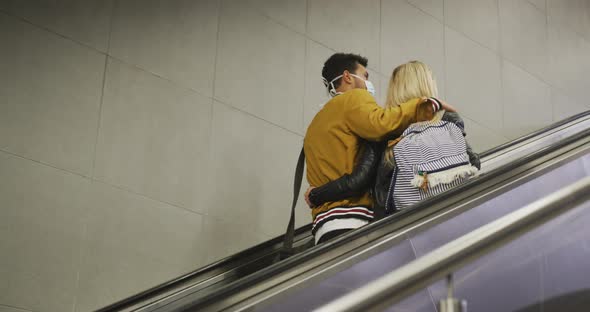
x: 332, y: 140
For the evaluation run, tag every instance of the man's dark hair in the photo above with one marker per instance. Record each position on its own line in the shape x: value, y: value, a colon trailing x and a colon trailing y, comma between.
x: 340, y: 62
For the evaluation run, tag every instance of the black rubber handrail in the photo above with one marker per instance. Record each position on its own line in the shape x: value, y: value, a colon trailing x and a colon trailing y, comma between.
x: 166, y: 286
x: 535, y: 133
x: 254, y: 250
x: 295, y: 260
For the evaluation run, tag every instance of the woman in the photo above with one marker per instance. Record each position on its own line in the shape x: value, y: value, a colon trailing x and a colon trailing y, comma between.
x: 374, y: 169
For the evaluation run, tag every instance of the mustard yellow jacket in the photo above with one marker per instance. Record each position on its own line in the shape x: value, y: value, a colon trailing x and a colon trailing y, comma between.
x: 332, y: 139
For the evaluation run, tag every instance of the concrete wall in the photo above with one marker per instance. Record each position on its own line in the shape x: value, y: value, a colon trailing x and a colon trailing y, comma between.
x: 143, y: 139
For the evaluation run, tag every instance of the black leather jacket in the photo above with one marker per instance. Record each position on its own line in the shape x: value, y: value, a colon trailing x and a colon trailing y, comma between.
x: 354, y: 184
x: 373, y: 174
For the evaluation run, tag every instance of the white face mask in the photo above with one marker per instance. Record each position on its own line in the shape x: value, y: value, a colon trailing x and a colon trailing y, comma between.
x: 332, y: 90
x: 368, y: 84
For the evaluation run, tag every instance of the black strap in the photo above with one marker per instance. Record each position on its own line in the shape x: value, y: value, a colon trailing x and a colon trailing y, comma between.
x: 290, y: 233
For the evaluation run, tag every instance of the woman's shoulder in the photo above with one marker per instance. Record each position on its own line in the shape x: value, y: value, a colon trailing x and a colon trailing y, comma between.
x: 449, y: 116
x: 454, y: 117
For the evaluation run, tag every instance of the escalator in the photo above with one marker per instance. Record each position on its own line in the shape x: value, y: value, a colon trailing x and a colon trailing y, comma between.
x: 513, y: 175
x: 532, y: 259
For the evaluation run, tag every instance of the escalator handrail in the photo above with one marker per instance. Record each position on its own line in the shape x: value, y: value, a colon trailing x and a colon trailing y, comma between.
x: 418, y: 274
x: 536, y: 133
x: 295, y: 260
x: 171, y: 284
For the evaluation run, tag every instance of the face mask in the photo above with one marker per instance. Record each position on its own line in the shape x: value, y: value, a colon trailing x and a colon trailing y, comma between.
x: 332, y: 90
x: 369, y: 85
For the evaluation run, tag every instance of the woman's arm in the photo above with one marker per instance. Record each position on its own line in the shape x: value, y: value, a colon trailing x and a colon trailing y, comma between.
x: 473, y: 157
x: 349, y: 185
x: 382, y: 183
x: 456, y: 119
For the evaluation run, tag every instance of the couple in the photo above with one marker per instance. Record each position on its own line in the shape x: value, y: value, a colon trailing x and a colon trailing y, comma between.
x: 349, y: 162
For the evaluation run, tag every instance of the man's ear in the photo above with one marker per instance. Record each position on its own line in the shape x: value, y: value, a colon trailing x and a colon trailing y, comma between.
x: 346, y: 77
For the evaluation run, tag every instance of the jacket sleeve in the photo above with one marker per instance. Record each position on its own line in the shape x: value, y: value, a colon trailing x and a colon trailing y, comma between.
x: 350, y: 185
x: 371, y: 122
x: 382, y: 182
x: 456, y: 119
x: 473, y: 157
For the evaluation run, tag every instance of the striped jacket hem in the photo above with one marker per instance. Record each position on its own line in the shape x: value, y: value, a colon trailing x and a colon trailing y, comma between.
x: 363, y: 213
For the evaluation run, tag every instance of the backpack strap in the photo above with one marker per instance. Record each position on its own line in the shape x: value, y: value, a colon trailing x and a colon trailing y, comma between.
x: 290, y: 233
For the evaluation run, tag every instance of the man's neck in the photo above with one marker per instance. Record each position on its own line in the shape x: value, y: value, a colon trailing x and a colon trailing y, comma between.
x: 342, y: 90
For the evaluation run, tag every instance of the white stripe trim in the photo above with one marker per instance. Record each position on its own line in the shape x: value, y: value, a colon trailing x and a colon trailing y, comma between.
x: 343, y: 209
x: 338, y: 224
x: 348, y: 213
x: 319, y: 219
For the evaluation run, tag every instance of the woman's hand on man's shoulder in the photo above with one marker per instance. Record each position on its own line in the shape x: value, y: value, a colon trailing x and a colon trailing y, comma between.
x: 446, y: 106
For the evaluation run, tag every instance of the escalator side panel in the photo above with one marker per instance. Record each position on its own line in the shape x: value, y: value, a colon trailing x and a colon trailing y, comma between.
x: 548, y: 262
x: 434, y: 237
x: 512, y: 200
x: 427, y: 240
x: 308, y: 298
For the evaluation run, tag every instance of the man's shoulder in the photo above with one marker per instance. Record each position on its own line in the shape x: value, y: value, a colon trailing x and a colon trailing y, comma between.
x: 349, y: 99
x: 348, y: 95
x: 356, y: 93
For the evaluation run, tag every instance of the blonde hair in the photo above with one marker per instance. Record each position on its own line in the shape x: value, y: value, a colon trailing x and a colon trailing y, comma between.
x: 409, y: 81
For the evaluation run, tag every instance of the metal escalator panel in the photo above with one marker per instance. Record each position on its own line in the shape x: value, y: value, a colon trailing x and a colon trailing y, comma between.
x: 310, y: 295
x: 549, y: 262
x: 534, y: 259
